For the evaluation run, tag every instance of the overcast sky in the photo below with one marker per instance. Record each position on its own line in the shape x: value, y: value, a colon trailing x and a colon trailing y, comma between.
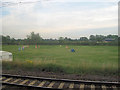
x: 55, y: 18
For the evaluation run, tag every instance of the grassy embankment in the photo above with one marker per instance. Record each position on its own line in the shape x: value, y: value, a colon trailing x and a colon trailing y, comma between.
x: 86, y: 59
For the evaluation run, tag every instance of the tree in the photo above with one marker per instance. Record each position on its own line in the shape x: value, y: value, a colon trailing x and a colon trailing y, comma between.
x: 115, y: 37
x: 61, y: 39
x: 83, y: 39
x: 100, y: 38
x: 12, y: 41
x: 6, y: 39
x: 92, y: 38
x: 34, y: 38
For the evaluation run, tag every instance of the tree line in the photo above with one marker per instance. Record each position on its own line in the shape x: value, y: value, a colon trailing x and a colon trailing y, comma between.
x: 35, y: 38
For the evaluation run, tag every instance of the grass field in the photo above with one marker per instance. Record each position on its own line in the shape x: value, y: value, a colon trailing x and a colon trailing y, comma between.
x: 85, y: 59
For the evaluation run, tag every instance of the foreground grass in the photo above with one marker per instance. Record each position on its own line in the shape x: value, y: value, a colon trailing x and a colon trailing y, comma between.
x: 86, y: 59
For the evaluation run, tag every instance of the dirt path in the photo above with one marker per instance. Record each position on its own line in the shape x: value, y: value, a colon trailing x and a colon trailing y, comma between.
x: 62, y: 75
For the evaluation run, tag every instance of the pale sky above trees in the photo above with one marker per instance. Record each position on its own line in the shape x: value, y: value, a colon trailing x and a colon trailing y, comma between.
x: 56, y: 18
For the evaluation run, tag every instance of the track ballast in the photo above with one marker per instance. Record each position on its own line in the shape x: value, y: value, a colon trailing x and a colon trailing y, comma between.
x: 52, y: 83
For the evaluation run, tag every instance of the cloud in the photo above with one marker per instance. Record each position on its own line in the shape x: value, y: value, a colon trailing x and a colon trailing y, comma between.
x: 25, y: 18
x: 83, y: 0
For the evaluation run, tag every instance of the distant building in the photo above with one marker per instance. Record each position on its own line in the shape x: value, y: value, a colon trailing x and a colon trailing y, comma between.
x: 6, y: 56
x: 109, y: 39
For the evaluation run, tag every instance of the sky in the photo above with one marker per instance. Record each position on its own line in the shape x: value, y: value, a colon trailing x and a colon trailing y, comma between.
x: 58, y: 18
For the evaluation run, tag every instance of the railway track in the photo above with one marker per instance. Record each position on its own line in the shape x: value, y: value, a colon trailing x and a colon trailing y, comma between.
x: 49, y: 83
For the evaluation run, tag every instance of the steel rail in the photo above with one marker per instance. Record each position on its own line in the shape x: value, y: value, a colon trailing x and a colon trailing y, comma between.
x: 99, y: 83
x: 64, y: 80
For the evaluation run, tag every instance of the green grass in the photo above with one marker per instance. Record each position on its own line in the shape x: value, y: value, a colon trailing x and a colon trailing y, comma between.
x: 86, y: 59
